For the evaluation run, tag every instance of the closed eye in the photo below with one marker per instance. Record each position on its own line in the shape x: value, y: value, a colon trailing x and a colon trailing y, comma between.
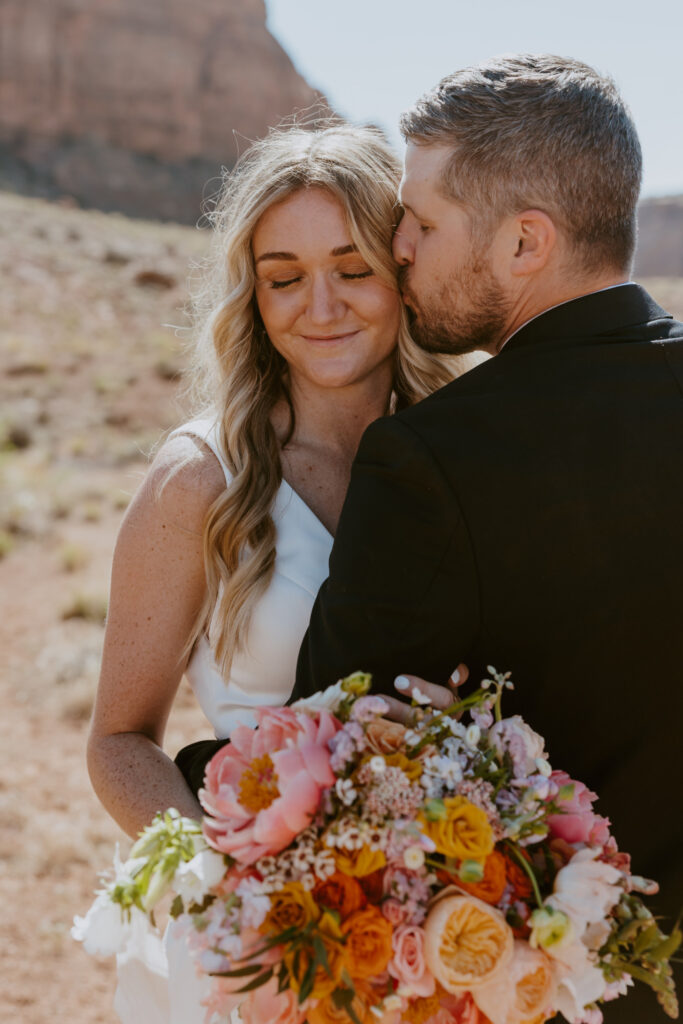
x: 356, y: 277
x: 284, y: 284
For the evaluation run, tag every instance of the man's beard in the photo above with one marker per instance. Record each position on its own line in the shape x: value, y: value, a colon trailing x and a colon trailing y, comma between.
x: 451, y: 327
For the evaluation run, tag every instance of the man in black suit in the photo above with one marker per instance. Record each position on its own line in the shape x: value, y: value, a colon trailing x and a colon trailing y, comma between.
x: 530, y: 514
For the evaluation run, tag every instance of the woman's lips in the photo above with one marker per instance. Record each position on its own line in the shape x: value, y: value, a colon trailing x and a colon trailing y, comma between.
x: 326, y: 339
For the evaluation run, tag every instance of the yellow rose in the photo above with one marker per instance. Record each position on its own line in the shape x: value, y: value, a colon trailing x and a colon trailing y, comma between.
x: 410, y: 767
x: 291, y: 907
x: 359, y: 863
x: 463, y: 833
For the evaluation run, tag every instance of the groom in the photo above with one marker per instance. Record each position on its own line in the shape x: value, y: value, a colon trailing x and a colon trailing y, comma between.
x: 530, y: 514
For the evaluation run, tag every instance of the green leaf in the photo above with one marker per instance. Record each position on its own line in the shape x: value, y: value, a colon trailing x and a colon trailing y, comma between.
x: 343, y: 1000
x: 176, y: 907
x: 566, y: 792
x: 648, y: 937
x: 257, y: 982
x: 243, y: 972
x: 666, y: 949
x: 434, y: 810
x: 321, y: 954
x: 308, y: 981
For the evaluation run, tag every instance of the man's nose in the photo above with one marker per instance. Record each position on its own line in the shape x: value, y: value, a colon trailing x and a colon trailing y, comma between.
x: 402, y: 248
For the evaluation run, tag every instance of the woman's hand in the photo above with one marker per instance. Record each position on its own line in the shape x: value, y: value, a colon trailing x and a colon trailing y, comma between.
x: 440, y: 697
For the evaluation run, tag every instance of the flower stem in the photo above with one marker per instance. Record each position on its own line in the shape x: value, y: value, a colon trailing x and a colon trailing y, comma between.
x: 524, y: 863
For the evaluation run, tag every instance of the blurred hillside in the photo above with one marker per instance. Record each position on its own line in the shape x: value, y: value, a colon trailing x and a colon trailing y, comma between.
x: 136, y: 106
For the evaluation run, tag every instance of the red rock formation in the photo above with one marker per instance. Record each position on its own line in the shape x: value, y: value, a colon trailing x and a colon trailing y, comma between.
x: 86, y: 86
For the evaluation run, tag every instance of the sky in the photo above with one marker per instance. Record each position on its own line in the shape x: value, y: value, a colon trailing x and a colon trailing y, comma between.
x: 372, y: 58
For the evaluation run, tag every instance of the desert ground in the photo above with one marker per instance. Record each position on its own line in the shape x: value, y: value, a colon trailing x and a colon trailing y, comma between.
x: 93, y: 343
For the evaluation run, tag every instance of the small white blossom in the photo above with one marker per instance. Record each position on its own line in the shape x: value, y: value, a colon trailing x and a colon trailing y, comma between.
x: 472, y: 736
x: 543, y: 767
x: 345, y: 791
x: 414, y: 858
x: 419, y: 697
x: 377, y: 764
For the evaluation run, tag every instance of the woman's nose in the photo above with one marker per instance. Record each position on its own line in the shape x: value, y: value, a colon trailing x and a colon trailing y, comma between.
x: 324, y: 304
x: 402, y: 248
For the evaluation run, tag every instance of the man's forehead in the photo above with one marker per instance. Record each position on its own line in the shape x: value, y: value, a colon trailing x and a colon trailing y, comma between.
x: 423, y: 169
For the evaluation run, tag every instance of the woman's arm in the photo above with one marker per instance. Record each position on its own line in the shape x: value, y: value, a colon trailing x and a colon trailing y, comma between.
x: 157, y: 588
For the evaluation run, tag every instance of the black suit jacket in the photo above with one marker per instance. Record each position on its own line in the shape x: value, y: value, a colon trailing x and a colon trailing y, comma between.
x: 530, y: 515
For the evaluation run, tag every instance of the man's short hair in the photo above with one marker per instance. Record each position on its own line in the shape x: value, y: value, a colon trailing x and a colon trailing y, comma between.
x: 535, y: 131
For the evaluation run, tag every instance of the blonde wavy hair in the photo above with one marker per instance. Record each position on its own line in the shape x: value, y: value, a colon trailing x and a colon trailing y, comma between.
x: 239, y: 376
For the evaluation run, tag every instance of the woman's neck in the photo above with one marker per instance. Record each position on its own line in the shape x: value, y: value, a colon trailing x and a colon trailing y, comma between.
x: 333, y: 419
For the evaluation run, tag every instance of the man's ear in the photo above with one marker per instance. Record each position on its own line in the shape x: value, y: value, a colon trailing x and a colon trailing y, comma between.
x: 532, y: 240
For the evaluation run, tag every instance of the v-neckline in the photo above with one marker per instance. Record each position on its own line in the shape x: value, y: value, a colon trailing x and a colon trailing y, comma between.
x: 307, y: 507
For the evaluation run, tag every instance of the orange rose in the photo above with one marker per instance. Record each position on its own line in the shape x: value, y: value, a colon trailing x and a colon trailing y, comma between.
x: 326, y: 1012
x: 368, y: 943
x: 463, y: 833
x: 384, y: 737
x: 340, y: 893
x: 523, y: 991
x: 490, y: 888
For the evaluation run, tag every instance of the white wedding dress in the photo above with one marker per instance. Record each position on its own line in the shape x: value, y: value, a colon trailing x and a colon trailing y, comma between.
x: 157, y: 983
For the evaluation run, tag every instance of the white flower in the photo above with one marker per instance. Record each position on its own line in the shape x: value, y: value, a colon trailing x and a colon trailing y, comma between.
x: 579, y: 981
x: 345, y: 791
x: 326, y: 700
x: 472, y: 736
x: 377, y: 764
x: 414, y: 858
x: 419, y: 697
x: 106, y: 928
x: 255, y: 904
x: 195, y: 878
x: 586, y: 889
x: 543, y: 767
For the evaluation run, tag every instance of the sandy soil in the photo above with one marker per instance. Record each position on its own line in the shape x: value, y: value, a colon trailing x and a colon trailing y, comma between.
x: 89, y: 380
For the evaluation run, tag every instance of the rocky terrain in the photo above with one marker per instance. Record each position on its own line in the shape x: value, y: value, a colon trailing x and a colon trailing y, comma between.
x: 91, y: 375
x: 134, y: 107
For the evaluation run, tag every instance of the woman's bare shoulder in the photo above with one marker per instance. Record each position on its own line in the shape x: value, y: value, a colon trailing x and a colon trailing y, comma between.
x: 182, y: 483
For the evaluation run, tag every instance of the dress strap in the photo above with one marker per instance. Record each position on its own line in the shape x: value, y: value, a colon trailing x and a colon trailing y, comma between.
x: 206, y: 429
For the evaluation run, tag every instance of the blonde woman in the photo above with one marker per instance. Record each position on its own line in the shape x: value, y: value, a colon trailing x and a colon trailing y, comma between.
x: 302, y: 343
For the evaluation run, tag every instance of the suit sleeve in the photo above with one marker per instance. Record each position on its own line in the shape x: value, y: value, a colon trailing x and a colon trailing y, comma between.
x: 402, y: 591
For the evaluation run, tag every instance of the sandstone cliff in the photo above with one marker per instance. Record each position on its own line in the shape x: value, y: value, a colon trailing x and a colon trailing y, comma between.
x: 134, y: 104
x: 660, y: 238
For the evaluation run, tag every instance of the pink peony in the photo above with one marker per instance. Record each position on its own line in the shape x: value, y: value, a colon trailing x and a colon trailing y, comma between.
x: 266, y: 1006
x: 577, y: 823
x: 408, y: 964
x: 263, y: 787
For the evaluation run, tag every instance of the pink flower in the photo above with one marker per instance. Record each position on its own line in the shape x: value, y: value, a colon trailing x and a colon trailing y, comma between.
x: 264, y: 787
x: 456, y: 1010
x: 408, y: 964
x: 515, y: 737
x: 266, y: 1006
x: 396, y: 913
x: 577, y: 823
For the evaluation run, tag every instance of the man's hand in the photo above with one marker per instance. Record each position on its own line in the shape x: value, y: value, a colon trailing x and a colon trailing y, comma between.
x: 413, y: 687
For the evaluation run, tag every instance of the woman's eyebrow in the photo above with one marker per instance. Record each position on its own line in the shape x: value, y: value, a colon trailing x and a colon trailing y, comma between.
x: 276, y: 256
x: 341, y: 250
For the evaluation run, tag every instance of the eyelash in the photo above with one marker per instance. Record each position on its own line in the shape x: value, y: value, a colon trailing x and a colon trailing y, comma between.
x: 347, y: 277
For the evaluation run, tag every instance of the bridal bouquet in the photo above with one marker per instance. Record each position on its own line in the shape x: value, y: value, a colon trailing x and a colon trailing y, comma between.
x: 350, y: 867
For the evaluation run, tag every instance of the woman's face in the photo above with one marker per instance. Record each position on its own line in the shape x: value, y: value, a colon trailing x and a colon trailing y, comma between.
x: 324, y: 310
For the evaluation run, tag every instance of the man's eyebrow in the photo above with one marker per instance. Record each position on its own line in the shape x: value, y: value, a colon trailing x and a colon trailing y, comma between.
x: 341, y: 250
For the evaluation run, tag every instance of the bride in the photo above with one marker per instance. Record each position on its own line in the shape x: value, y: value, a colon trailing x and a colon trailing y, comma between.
x: 302, y: 343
